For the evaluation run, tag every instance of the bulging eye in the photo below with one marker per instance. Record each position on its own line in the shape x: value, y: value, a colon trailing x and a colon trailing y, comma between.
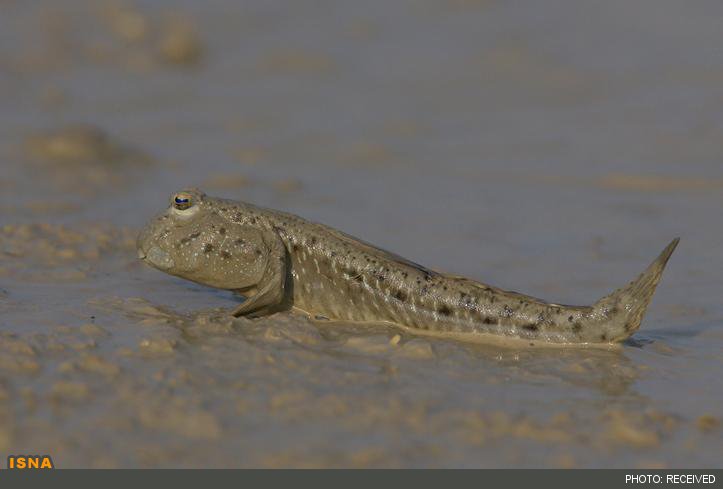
x: 182, y: 201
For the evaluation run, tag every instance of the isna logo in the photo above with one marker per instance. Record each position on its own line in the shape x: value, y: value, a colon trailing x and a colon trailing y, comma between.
x: 30, y: 462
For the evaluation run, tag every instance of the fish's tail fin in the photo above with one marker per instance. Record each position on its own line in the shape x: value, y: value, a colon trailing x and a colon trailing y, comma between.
x: 626, y: 307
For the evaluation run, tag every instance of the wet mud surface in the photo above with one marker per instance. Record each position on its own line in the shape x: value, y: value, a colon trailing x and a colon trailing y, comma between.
x: 526, y: 148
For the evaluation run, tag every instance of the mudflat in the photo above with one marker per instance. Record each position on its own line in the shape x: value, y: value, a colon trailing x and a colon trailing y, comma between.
x: 503, y: 144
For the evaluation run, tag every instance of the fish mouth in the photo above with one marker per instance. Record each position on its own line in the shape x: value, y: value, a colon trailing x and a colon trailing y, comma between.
x: 157, y: 257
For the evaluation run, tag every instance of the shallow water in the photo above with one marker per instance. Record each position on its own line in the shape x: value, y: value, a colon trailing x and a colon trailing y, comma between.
x: 548, y: 149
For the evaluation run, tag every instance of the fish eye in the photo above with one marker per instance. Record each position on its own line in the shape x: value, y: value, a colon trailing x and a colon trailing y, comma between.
x: 182, y: 201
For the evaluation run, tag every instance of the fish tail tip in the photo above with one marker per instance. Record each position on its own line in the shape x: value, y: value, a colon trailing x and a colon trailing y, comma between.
x: 635, y: 298
x: 670, y: 249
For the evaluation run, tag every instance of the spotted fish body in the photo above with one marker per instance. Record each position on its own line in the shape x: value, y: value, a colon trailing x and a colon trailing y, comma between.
x: 281, y: 261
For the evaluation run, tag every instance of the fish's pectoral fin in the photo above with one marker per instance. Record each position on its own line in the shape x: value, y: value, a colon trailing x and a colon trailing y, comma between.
x: 270, y: 292
x: 259, y: 304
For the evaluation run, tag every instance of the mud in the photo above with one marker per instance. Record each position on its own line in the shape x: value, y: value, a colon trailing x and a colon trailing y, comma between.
x: 479, y: 138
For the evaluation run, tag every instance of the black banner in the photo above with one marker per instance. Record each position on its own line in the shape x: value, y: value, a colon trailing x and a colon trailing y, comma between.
x: 366, y: 479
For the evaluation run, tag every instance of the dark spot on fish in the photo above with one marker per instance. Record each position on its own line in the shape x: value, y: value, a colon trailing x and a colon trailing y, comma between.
x: 488, y: 320
x: 313, y: 240
x: 258, y: 251
x: 225, y: 255
x: 222, y: 231
x: 507, y: 311
x: 239, y: 242
x: 531, y: 327
x: 570, y: 318
x: 295, y: 247
x: 603, y: 337
x: 400, y: 295
x: 628, y: 326
x: 190, y: 237
x: 208, y: 248
x: 444, y: 310
x: 577, y: 327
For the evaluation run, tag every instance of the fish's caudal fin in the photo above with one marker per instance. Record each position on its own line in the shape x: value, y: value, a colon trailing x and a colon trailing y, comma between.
x: 624, y: 309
